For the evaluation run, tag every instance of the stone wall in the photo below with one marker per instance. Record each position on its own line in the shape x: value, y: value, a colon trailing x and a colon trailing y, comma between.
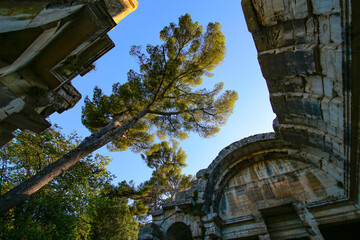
x: 300, y: 50
x: 302, y: 181
x: 265, y: 183
x: 40, y: 55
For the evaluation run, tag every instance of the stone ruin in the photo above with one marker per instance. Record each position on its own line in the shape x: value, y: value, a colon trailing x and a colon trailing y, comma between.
x: 302, y: 180
x: 40, y: 55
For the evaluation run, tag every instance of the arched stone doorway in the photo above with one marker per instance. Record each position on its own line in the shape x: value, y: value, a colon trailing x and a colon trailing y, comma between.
x: 178, y: 231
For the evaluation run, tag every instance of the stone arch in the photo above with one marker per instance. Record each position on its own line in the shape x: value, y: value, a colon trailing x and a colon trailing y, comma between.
x: 260, y: 148
x: 178, y: 231
x: 274, y: 182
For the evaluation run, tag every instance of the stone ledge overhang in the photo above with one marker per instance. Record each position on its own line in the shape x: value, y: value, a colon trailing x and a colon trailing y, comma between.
x: 119, y: 9
x: 181, y: 204
x: 305, y: 50
x: 49, y: 54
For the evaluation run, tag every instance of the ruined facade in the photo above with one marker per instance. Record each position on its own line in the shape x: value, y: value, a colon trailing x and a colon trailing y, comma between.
x: 302, y: 181
x: 44, y: 44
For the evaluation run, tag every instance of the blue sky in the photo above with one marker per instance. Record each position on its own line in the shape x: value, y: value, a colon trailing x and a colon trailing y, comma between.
x: 240, y: 71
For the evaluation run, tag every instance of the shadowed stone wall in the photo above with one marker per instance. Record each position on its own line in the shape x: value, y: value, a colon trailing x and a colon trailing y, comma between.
x: 40, y: 55
x: 302, y: 181
x: 265, y: 183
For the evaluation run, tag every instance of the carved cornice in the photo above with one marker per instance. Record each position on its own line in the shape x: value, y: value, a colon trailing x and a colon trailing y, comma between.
x: 119, y: 9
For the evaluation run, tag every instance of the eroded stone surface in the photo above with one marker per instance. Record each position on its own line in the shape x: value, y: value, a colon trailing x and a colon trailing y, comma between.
x: 293, y: 183
x: 40, y: 55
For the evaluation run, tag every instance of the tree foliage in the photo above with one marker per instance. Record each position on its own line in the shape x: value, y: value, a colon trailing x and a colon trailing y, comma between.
x: 81, y: 203
x: 59, y: 210
x: 164, y: 98
x: 114, y: 220
x: 167, y: 85
x: 166, y: 180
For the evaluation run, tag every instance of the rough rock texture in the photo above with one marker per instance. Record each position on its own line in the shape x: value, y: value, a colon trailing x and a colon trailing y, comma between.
x: 302, y: 181
x: 40, y: 55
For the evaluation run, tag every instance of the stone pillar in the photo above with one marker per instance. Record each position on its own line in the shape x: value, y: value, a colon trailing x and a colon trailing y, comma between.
x: 309, y: 221
x: 212, y: 232
x: 213, y: 228
x: 264, y: 237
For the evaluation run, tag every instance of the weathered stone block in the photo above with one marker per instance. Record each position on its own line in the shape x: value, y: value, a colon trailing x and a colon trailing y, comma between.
x: 3, y: 115
x: 300, y: 135
x: 325, y: 109
x: 278, y: 104
x: 200, y: 173
x: 270, y: 38
x: 321, y: 124
x: 331, y: 129
x: 316, y: 139
x: 295, y: 32
x: 339, y: 132
x: 272, y: 12
x: 250, y: 15
x: 15, y: 106
x: 265, y: 12
x: 48, y: 15
x: 334, y: 114
x: 305, y: 62
x: 328, y: 87
x: 324, y: 29
x: 295, y: 105
x: 278, y: 6
x: 312, y: 108
x: 298, y: 63
x: 29, y: 120
x: 314, y: 84
x: 338, y: 88
x: 311, y: 31
x: 299, y: 120
x: 281, y: 85
x: 331, y: 61
x: 150, y: 231
x: 14, y: 22
x: 299, y: 31
x: 298, y: 9
x: 272, y: 67
x: 328, y: 144
x: 16, y: 83
x: 325, y: 6
x: 335, y: 28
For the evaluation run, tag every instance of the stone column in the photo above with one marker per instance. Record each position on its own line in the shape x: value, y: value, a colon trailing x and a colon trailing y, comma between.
x: 308, y: 221
x: 264, y: 237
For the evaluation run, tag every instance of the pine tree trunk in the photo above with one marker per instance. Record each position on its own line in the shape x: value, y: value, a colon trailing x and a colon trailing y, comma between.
x: 87, y: 146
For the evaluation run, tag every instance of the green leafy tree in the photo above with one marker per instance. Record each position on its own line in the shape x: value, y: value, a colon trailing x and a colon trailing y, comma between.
x: 59, y: 210
x: 113, y: 220
x: 166, y: 180
x: 164, y: 98
x: 167, y: 162
x: 130, y: 191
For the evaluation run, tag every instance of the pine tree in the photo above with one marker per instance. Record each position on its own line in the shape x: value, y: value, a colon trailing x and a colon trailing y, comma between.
x: 163, y: 99
x: 167, y: 162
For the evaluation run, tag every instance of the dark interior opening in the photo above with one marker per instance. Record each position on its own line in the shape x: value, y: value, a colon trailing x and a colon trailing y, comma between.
x: 178, y: 231
x: 342, y: 231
